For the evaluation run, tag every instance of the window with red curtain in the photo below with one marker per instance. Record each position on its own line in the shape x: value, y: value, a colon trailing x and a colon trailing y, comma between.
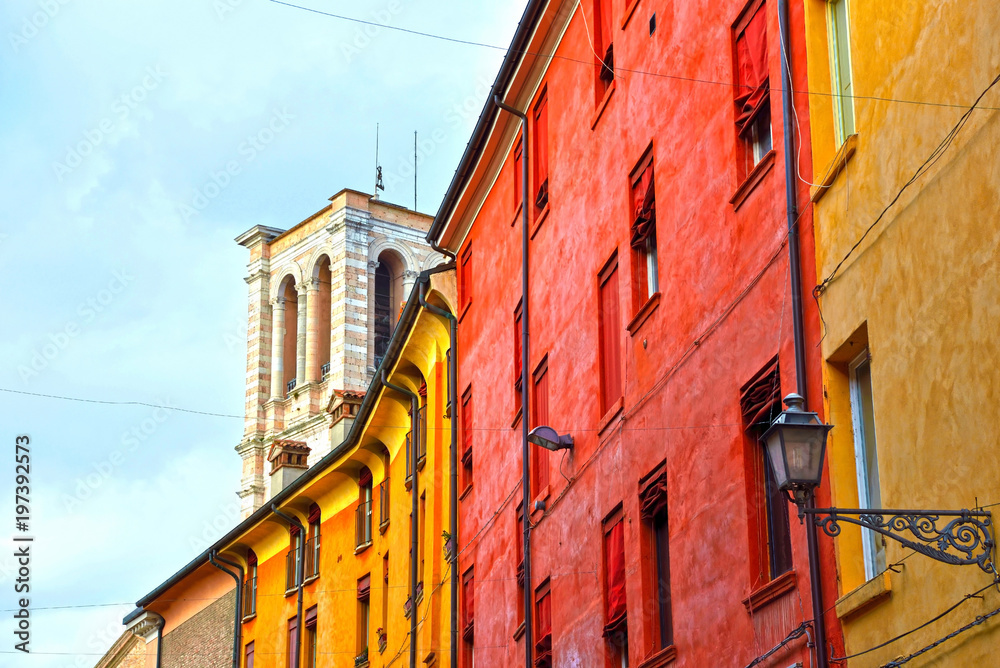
x: 517, y: 351
x: 610, y: 336
x: 467, y: 434
x: 468, y: 601
x: 543, y: 626
x: 642, y: 237
x: 465, y: 278
x: 604, y: 46
x: 541, y: 153
x: 615, y: 609
x: 540, y: 416
x: 291, y: 650
x: 248, y: 661
x: 656, y: 553
x: 752, y: 87
x: 518, y: 175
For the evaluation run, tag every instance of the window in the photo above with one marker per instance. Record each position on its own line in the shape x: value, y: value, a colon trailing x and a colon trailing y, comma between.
x: 312, y: 545
x: 541, y: 154
x: 760, y: 403
x: 363, y: 517
x: 385, y: 594
x: 421, y: 540
x: 610, y: 336
x: 517, y: 351
x: 539, y: 417
x: 468, y: 616
x: 467, y: 427
x: 364, y: 593
x: 840, y: 67
x: 518, y: 176
x: 291, y: 559
x: 248, y: 655
x: 309, y: 640
x: 519, y: 574
x: 604, y: 47
x: 292, y: 647
x: 753, y: 109
x: 653, y: 511
x: 383, y: 505
x: 465, y: 279
x: 643, y: 230
x: 250, y: 586
x: 866, y: 458
x: 615, y: 608
x: 543, y: 626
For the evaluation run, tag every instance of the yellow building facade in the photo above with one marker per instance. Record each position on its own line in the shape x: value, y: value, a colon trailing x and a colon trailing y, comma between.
x: 354, y: 553
x: 911, y: 306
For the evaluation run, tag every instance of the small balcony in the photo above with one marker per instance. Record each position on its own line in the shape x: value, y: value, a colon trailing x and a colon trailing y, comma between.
x: 249, y: 598
x: 383, y: 506
x: 324, y: 371
x: 363, y: 525
x: 291, y: 571
x: 311, y: 566
x: 290, y: 386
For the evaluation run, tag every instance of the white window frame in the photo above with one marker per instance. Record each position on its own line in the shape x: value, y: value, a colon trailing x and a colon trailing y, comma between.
x: 868, y: 537
x: 652, y: 267
x: 834, y: 40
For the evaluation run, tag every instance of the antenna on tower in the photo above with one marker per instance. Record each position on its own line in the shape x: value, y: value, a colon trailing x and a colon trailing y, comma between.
x: 414, y: 170
x: 378, y: 168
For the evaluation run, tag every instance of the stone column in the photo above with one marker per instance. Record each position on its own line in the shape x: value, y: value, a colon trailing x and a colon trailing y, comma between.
x: 277, y: 348
x: 409, y: 278
x: 300, y: 339
x: 312, y: 374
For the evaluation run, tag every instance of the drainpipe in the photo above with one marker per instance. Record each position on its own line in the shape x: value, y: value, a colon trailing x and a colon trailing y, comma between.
x: 798, y: 334
x: 298, y: 576
x: 159, y: 641
x: 452, y: 463
x: 414, y: 529
x: 212, y: 556
x: 239, y: 606
x: 525, y: 471
x: 447, y: 253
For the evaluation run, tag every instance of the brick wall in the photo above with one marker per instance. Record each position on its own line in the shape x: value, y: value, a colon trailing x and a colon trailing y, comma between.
x: 205, y: 640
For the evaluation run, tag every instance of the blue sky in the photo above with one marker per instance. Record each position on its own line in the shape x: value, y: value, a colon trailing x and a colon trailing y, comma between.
x: 138, y: 140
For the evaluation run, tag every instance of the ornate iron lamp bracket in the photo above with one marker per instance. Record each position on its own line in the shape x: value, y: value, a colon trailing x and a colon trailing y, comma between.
x: 965, y: 538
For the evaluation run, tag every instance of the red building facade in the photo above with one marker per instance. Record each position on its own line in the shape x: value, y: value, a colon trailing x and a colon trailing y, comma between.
x: 661, y: 339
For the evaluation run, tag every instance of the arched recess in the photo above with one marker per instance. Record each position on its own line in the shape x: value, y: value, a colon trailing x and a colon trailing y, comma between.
x: 322, y: 275
x: 387, y: 291
x: 289, y: 352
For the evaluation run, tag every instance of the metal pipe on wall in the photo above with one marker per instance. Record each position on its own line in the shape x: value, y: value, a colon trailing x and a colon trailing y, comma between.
x: 237, y: 628
x: 798, y: 329
x: 414, y: 517
x: 452, y: 461
x: 525, y: 357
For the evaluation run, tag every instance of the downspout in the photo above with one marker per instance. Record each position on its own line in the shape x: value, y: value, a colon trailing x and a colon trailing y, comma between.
x: 159, y: 641
x: 798, y: 332
x: 414, y: 529
x: 525, y: 471
x: 298, y: 576
x: 444, y: 251
x: 452, y: 463
x: 239, y: 607
x: 212, y: 556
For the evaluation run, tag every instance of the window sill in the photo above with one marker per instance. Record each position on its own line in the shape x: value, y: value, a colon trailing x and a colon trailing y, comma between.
x: 465, y: 492
x: 430, y: 659
x: 383, y: 527
x: 465, y: 309
x: 770, y: 592
x: 870, y: 594
x: 664, y: 657
x: 609, y: 417
x: 603, y: 104
x: 750, y: 183
x: 309, y: 580
x: 250, y: 618
x: 644, y: 313
x: 291, y: 592
x: 629, y: 10
x: 517, y: 216
x: 361, y: 548
x: 518, y: 632
x: 517, y: 415
x: 834, y: 169
x: 539, y: 219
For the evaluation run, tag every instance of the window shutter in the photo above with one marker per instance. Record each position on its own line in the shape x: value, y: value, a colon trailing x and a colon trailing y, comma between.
x: 518, y: 174
x: 251, y: 559
x: 610, y: 339
x: 643, y: 204
x: 653, y: 496
x: 752, y: 69
x: 760, y: 400
x: 542, y: 152
x: 314, y: 513
x: 614, y: 551
x: 364, y: 587
x: 467, y: 419
x: 293, y: 530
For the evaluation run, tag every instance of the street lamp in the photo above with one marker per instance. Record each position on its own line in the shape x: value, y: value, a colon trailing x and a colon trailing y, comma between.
x: 796, y: 446
x: 548, y: 438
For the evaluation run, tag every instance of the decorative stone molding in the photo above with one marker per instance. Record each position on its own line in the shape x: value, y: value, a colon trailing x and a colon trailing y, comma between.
x: 145, y: 626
